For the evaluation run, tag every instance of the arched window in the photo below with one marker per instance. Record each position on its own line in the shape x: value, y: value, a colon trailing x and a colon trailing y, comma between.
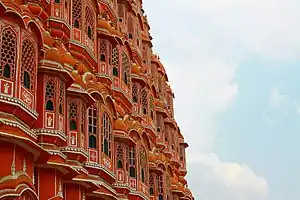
x: 120, y: 156
x: 6, y: 71
x: 26, y: 80
x: 76, y: 23
x: 160, y: 197
x: 144, y: 101
x: 89, y: 22
x: 76, y: 13
x: 102, y: 58
x: 143, y: 165
x: 8, y: 53
x: 135, y: 93
x: 49, y: 105
x: 92, y: 142
x: 57, y: 1
x: 89, y: 32
x: 73, y: 125
x: 115, y: 72
x: 28, y: 62
x: 50, y: 93
x: 73, y: 115
x: 132, y: 161
x: 125, y: 69
x: 106, y: 135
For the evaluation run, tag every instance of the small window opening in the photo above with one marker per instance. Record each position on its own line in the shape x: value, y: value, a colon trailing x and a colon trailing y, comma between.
x: 49, y: 105
x: 120, y: 19
x: 132, y: 172
x: 76, y: 23
x: 60, y: 109
x: 160, y: 197
x: 106, y: 146
x: 89, y: 32
x: 120, y: 164
x: 115, y: 72
x: 151, y: 191
x: 102, y: 58
x: 125, y: 78
x: 26, y: 80
x: 130, y: 35
x: 92, y: 142
x: 73, y: 125
x: 152, y: 115
x: 158, y: 129
x: 143, y: 175
x: 134, y: 99
x: 6, y: 71
x: 57, y: 1
x: 144, y: 111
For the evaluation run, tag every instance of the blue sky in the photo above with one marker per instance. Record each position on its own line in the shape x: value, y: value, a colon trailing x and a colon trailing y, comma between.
x: 234, y: 66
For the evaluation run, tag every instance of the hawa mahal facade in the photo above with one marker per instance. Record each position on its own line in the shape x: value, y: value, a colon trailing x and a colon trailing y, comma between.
x: 86, y: 111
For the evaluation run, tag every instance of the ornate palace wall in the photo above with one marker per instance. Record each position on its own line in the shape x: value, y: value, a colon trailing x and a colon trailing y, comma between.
x: 86, y: 111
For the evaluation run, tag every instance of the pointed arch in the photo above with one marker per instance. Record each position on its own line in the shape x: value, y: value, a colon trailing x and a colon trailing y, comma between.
x: 134, y: 134
x: 169, y: 170
x: 38, y: 33
x: 161, y: 166
x: 146, y: 141
x: 154, y: 91
x: 140, y: 21
x: 27, y: 192
x: 127, y: 45
x: 97, y: 96
x: 13, y: 15
x: 109, y: 101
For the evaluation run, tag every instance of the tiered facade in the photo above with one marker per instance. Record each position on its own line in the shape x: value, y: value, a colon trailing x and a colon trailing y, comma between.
x: 86, y: 111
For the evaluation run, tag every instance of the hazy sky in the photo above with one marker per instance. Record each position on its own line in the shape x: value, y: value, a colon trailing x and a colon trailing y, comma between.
x: 235, y: 69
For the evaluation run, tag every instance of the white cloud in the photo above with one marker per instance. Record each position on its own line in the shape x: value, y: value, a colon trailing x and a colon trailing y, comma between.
x: 202, y: 44
x: 219, y: 180
x: 278, y: 98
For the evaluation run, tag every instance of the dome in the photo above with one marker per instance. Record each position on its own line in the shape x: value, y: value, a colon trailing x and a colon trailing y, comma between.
x: 120, y: 125
x: 77, y: 77
x: 48, y: 40
x: 103, y: 25
x: 52, y: 54
x: 135, y: 69
x: 68, y: 59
